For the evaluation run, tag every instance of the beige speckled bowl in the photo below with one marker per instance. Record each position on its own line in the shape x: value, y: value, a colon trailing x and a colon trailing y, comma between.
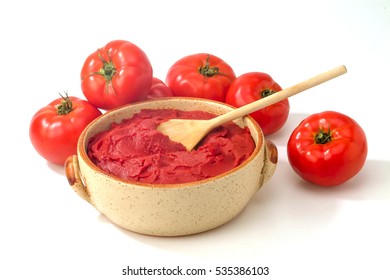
x: 170, y: 210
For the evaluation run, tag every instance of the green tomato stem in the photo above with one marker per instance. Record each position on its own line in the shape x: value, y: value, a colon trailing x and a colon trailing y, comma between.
x: 108, y: 71
x: 323, y: 137
x: 208, y: 71
x: 267, y: 92
x: 66, y: 105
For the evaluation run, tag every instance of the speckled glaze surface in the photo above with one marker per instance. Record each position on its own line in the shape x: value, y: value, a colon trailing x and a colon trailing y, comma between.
x: 175, y: 209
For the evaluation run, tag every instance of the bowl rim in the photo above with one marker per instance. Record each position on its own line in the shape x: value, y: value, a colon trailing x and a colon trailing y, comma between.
x: 81, y: 146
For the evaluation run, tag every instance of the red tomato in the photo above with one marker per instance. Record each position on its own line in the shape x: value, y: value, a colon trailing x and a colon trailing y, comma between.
x: 115, y: 75
x: 159, y: 89
x: 252, y: 86
x: 55, y: 128
x: 200, y: 75
x: 327, y: 149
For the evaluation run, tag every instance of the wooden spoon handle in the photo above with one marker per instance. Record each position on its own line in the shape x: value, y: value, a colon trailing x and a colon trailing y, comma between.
x: 279, y: 96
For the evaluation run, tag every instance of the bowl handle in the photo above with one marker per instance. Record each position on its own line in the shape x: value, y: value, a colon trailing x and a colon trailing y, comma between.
x: 72, y: 171
x: 270, y: 161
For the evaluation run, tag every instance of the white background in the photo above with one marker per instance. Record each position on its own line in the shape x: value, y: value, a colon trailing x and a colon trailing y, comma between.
x: 298, y: 230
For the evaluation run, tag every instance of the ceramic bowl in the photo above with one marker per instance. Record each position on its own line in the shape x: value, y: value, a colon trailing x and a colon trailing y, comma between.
x: 174, y: 209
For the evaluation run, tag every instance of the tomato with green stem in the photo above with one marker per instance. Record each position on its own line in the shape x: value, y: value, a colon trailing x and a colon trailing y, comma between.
x: 55, y: 129
x: 116, y: 75
x: 327, y: 148
x: 200, y: 75
x: 253, y: 86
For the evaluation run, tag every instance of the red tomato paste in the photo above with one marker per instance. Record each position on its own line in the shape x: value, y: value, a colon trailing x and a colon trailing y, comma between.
x: 135, y: 150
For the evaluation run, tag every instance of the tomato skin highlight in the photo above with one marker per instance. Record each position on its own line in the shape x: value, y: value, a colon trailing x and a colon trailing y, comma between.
x: 55, y: 136
x: 117, y: 74
x: 253, y: 86
x: 200, y: 75
x: 334, y: 162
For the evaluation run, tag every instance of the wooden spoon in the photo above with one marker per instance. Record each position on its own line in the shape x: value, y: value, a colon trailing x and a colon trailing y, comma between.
x: 190, y: 132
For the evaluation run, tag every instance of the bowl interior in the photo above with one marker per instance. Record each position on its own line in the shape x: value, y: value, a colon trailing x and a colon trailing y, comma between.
x: 104, y: 122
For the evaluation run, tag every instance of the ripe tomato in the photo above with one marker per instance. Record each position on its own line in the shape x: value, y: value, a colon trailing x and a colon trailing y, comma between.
x: 115, y: 75
x: 158, y: 89
x: 327, y: 148
x: 55, y: 128
x: 200, y: 75
x: 252, y: 86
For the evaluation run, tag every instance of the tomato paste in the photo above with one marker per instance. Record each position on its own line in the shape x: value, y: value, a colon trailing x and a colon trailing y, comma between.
x: 135, y: 150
